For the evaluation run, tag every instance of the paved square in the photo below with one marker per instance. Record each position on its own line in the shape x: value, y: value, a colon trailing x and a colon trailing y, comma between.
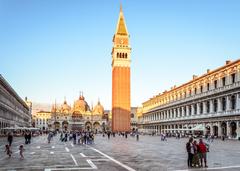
x: 116, y: 154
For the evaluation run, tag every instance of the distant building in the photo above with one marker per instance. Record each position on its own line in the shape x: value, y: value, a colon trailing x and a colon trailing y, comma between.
x: 134, y: 118
x: 13, y: 110
x: 78, y: 117
x: 42, y: 120
x: 207, y: 105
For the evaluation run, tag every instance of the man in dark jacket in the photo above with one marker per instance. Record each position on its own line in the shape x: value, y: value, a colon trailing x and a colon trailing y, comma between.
x: 190, y: 151
x: 10, y: 138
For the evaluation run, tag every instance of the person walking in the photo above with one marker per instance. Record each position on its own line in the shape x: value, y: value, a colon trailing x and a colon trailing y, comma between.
x: 10, y: 139
x: 8, y: 150
x: 61, y: 136
x: 49, y: 137
x: 190, y: 151
x: 74, y: 137
x: 202, y: 153
x: 29, y: 137
x: 21, y: 149
x: 109, y: 134
x: 66, y: 137
x: 26, y: 138
x: 137, y: 136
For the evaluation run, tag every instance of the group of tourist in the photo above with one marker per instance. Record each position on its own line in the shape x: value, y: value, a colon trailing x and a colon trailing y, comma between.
x: 28, y: 137
x: 163, y: 137
x: 197, y: 153
x: 121, y: 134
x: 8, y: 146
x: 78, y: 137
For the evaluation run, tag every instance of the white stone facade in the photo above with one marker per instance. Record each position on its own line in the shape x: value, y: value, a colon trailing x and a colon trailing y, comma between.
x: 13, y: 110
x: 211, y: 101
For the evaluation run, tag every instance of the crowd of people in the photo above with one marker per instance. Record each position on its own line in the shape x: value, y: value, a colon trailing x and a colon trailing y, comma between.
x: 78, y: 137
x: 197, y: 151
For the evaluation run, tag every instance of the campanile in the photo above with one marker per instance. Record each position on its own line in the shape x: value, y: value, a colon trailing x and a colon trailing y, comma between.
x: 121, y: 51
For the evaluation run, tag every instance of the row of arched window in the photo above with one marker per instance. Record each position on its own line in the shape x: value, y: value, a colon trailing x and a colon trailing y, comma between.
x: 4, y: 124
x: 231, y: 79
x: 194, y: 110
x: 121, y: 55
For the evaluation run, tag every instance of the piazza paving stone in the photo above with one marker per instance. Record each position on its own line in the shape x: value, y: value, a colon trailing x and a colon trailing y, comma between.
x: 115, y: 154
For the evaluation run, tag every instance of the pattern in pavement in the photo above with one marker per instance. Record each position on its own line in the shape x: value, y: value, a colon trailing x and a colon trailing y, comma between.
x: 116, y: 154
x: 40, y: 155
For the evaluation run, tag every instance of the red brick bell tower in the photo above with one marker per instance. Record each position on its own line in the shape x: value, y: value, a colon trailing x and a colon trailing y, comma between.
x: 121, y: 101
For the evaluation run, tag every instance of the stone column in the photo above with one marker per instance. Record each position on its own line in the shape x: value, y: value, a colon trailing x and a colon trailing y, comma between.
x: 238, y: 101
x: 238, y: 74
x: 193, y: 112
x: 187, y: 110
x: 183, y: 112
x: 227, y: 103
x: 238, y: 129
x: 211, y: 129
x: 219, y: 105
x: 204, y: 108
x: 198, y: 108
x: 219, y: 129
x: 204, y: 130
x: 211, y: 106
x: 228, y: 129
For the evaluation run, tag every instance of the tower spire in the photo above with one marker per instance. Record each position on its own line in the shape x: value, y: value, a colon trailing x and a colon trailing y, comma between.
x: 121, y: 25
x: 65, y: 101
x: 120, y: 7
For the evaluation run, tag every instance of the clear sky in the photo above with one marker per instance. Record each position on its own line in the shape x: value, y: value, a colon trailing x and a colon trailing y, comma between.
x: 55, y: 48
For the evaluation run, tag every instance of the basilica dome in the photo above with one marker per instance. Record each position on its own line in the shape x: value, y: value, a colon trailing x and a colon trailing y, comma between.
x: 98, y: 109
x: 81, y: 105
x: 65, y: 108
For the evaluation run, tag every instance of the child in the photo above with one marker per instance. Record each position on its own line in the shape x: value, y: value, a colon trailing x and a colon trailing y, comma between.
x: 8, y: 151
x: 21, y: 149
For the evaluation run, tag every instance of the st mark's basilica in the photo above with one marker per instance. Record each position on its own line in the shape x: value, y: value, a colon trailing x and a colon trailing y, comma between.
x: 77, y: 117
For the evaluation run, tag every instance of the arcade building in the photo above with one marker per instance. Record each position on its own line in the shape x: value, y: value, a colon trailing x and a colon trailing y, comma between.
x: 207, y: 105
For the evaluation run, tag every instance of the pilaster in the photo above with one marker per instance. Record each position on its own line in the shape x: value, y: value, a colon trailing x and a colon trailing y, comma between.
x: 228, y: 129
x: 219, y: 129
x: 219, y: 105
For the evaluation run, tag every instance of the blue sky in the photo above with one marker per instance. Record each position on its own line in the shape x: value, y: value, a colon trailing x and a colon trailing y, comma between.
x: 51, y: 49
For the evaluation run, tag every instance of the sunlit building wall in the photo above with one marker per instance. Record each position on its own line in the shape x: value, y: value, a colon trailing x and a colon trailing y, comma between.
x: 209, y: 103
